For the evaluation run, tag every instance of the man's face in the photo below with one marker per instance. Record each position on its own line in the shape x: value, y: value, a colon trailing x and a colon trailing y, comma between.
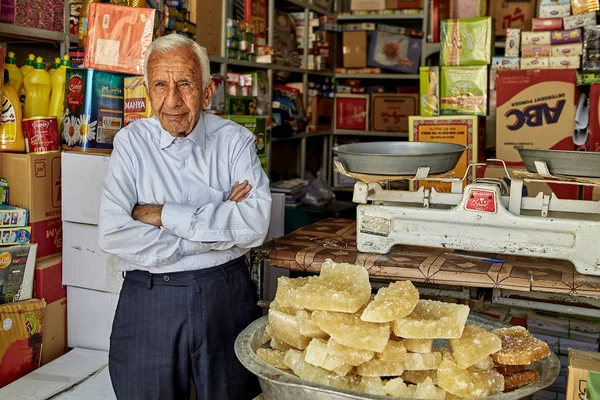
x: 175, y: 90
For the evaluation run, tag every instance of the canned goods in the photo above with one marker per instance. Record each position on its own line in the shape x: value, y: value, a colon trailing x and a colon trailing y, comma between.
x: 41, y: 135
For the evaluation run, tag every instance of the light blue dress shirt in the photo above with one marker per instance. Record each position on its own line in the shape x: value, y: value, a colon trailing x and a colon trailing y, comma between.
x: 192, y: 177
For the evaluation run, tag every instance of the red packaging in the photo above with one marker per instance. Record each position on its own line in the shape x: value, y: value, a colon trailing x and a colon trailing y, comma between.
x: 441, y: 11
x: 546, y: 24
x: 352, y: 112
x: 397, y: 4
x: 118, y: 37
x: 41, y: 135
x: 593, y: 140
x: 47, y: 282
x: 256, y: 15
x: 48, y: 236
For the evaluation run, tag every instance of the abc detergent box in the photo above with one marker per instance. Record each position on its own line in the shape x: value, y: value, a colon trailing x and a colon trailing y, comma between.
x: 535, y: 109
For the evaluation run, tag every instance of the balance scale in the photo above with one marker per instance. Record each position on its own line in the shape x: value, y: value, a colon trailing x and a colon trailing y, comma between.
x: 486, y: 216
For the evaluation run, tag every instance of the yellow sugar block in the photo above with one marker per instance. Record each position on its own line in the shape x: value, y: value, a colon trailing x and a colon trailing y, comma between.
x: 339, y: 287
x: 275, y: 305
x: 433, y: 320
x: 350, y: 330
x: 307, y: 327
x: 377, y: 367
x: 474, y: 345
x: 420, y: 376
x: 419, y: 345
x: 427, y: 390
x: 422, y: 362
x: 483, y: 365
x: 395, y: 301
x: 372, y: 385
x: 394, y: 351
x: 349, y: 355
x: 397, y: 388
x: 468, y: 383
x: 316, y: 354
x: 285, y: 328
x: 272, y: 357
x: 266, y: 336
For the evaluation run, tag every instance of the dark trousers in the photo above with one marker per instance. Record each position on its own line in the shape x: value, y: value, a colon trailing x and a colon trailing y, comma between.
x: 173, y: 328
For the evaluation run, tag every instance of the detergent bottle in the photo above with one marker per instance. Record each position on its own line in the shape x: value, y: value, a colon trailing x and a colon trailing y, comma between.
x: 38, y: 86
x: 25, y: 69
x: 11, y: 130
x: 55, y: 65
x: 58, y: 91
x: 14, y: 73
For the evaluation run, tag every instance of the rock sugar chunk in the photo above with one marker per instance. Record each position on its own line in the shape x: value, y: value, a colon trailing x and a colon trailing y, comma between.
x: 349, y: 355
x: 307, y: 327
x: 515, y: 381
x: 421, y: 362
x: 433, y: 320
x: 398, y: 388
x: 339, y: 287
x: 394, y: 351
x: 294, y: 359
x: 427, y: 390
x: 277, y: 344
x: 419, y: 345
x: 420, y: 376
x: 395, y: 301
x: 484, y: 365
x: 316, y: 354
x: 519, y: 347
x: 377, y: 367
x: 372, y: 385
x: 285, y: 328
x: 350, y: 330
x: 272, y: 357
x: 275, y: 305
x: 266, y: 336
x: 474, y: 345
x: 468, y: 384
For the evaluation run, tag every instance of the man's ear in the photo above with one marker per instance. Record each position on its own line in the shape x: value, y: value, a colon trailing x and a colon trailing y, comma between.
x: 208, y: 94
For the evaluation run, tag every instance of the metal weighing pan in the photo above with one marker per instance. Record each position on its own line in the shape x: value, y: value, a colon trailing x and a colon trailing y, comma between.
x: 563, y: 162
x: 278, y: 385
x: 399, y: 158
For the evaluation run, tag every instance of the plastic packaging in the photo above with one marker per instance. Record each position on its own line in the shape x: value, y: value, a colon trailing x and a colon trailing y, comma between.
x: 25, y: 69
x: 318, y: 193
x: 58, y: 91
x: 38, y: 86
x: 83, y: 21
x: 55, y: 65
x: 14, y: 73
x: 11, y: 130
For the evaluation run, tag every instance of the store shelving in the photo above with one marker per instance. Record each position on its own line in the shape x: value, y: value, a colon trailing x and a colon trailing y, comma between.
x: 378, y: 76
x: 23, y: 32
x: 342, y: 132
x: 430, y: 48
x: 302, y: 136
x: 376, y: 17
x: 310, y: 7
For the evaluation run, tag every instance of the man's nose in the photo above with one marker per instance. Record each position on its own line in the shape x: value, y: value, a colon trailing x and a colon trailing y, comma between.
x: 173, y: 98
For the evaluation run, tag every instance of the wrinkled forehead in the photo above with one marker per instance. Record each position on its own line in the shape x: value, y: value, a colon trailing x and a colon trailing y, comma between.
x: 175, y: 63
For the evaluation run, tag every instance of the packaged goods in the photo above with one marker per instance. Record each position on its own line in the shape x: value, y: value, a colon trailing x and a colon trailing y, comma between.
x: 41, y: 135
x: 390, y: 112
x: 567, y: 50
x: 512, y: 15
x: 564, y: 62
x: 513, y: 43
x: 535, y: 38
x: 429, y: 79
x: 579, y: 21
x: 11, y: 124
x: 57, y: 100
x: 18, y: 267
x: 554, y: 8
x: 564, y: 37
x: 38, y: 86
x: 136, y: 100
x: 464, y: 90
x: 352, y: 112
x: 506, y: 63
x: 546, y: 24
x: 394, y: 52
x: 584, y: 6
x: 534, y: 63
x: 15, y: 76
x: 466, y: 42
x: 534, y: 50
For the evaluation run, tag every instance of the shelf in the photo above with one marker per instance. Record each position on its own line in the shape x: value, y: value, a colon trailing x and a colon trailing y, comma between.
x: 500, y: 45
x: 250, y: 64
x: 31, y: 33
x: 376, y: 17
x: 301, y: 136
x: 341, y: 132
x: 311, y: 7
x: 432, y: 48
x: 379, y: 76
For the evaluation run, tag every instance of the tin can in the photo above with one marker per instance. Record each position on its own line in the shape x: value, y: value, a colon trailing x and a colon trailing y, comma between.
x: 41, y: 135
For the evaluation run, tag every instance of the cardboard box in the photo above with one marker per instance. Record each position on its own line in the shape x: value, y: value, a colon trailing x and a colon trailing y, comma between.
x: 209, y: 26
x: 505, y: 63
x: 17, y: 267
x: 352, y: 112
x: 461, y: 9
x: 47, y: 234
x: 536, y: 50
x: 355, y: 49
x: 83, y: 176
x: 564, y: 62
x: 21, y: 339
x: 513, y: 43
x: 567, y: 50
x: 535, y: 38
x: 535, y: 109
x: 512, y: 14
x: 565, y: 37
x: 117, y: 37
x: 395, y: 52
x: 97, y: 97
x: 429, y: 91
x: 535, y: 63
x: 547, y: 24
x: 465, y: 130
x: 580, y: 362
x: 390, y: 112
x: 54, y: 341
x: 13, y: 217
x: 554, y: 8
x: 90, y: 314
x: 579, y: 21
x: 84, y: 264
x: 474, y: 45
x: 47, y: 283
x: 136, y: 101
x: 464, y: 91
x: 356, y: 5
x: 35, y: 183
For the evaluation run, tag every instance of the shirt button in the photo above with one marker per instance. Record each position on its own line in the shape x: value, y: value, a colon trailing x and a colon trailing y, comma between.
x: 189, y: 199
x: 186, y: 163
x: 166, y: 278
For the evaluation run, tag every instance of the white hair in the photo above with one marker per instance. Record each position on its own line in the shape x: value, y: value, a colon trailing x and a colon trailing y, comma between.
x: 172, y: 42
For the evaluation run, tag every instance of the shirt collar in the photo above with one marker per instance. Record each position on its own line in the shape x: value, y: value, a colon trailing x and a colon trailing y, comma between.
x: 197, y: 135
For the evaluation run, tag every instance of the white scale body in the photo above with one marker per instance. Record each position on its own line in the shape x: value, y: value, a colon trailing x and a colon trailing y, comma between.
x: 482, y: 218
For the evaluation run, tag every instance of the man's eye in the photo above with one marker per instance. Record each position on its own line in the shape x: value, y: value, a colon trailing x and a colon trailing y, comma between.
x: 184, y: 84
x: 159, y: 84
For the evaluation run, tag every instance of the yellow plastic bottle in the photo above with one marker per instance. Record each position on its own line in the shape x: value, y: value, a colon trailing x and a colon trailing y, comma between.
x: 58, y: 90
x: 25, y: 69
x: 55, y: 66
x: 11, y: 130
x: 38, y: 86
x: 15, y: 75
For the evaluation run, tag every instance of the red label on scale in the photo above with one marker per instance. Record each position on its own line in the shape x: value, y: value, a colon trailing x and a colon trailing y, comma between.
x: 481, y: 201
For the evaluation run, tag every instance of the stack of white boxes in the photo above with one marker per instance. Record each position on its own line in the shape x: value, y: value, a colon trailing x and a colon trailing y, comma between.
x: 92, y: 280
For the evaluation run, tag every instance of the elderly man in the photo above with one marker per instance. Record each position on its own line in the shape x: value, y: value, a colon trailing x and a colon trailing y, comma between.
x: 184, y: 199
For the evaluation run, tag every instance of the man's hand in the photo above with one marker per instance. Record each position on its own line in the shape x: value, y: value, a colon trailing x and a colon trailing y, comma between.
x: 150, y: 214
x: 240, y: 191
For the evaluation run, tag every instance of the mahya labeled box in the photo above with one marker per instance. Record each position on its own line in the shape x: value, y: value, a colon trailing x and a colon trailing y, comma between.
x: 136, y: 100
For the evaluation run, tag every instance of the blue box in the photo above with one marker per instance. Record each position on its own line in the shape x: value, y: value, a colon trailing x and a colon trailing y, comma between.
x: 395, y: 52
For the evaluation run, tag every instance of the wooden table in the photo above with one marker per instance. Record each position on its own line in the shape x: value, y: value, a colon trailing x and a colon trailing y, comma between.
x: 307, y: 248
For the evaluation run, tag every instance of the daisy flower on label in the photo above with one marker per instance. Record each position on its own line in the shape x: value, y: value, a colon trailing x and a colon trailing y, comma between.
x: 71, y: 133
x: 87, y: 130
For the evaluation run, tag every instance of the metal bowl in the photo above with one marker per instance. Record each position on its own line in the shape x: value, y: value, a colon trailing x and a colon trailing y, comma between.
x: 563, y: 162
x: 399, y: 158
x: 278, y: 385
